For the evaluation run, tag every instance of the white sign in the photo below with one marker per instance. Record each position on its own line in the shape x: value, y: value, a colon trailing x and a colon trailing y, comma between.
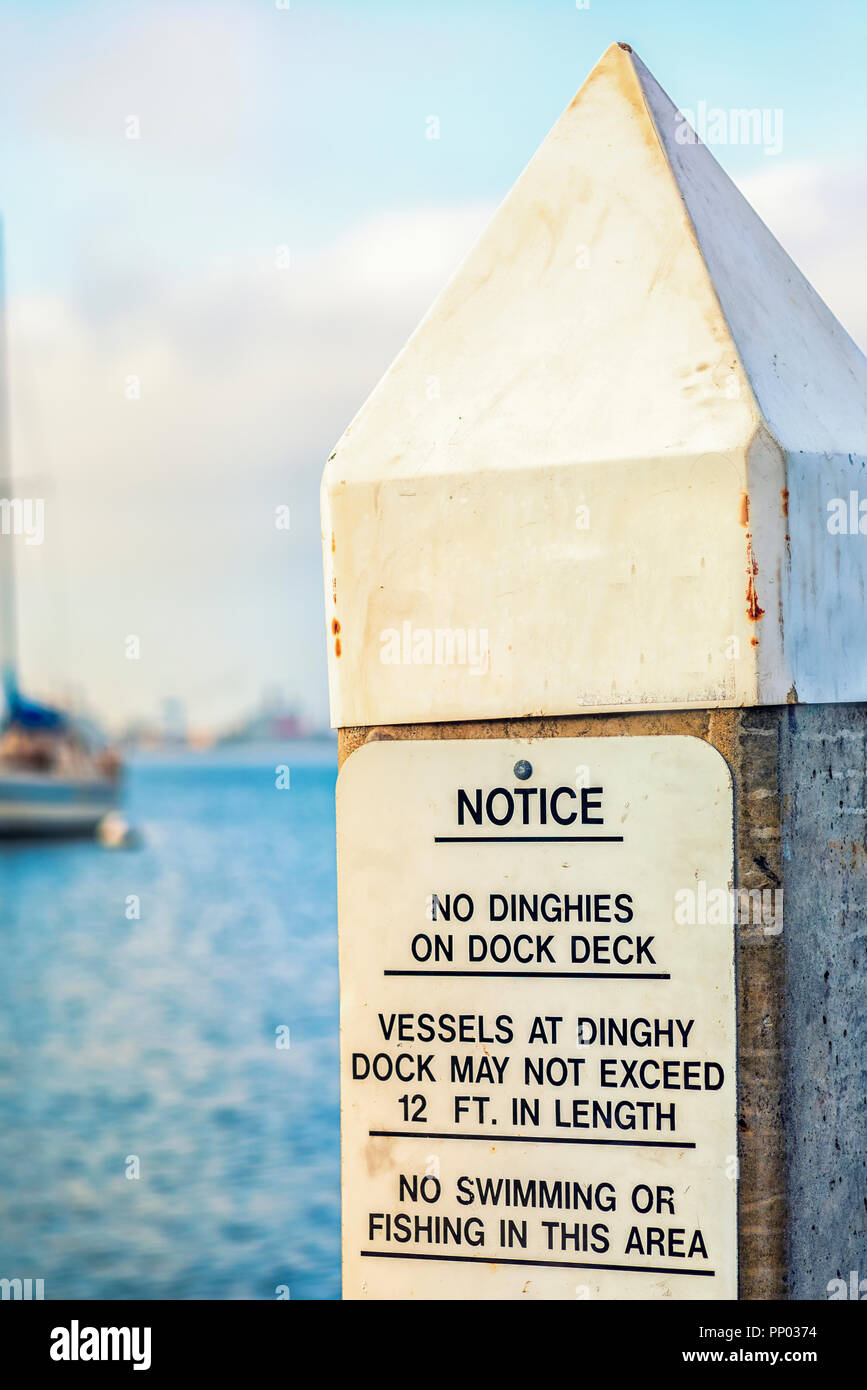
x: 537, y: 1019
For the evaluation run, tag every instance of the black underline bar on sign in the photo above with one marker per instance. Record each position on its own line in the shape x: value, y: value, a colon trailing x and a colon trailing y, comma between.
x: 539, y: 974
x: 533, y: 1139
x: 538, y: 1264
x: 526, y: 839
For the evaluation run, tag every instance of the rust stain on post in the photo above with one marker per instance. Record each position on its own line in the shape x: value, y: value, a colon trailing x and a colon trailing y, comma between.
x: 754, y: 612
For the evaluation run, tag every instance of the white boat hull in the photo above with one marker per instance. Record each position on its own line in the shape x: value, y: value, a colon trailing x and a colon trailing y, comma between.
x: 41, y: 804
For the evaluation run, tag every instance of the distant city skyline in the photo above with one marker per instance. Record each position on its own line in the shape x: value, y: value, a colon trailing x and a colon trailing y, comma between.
x: 274, y: 717
x: 223, y: 221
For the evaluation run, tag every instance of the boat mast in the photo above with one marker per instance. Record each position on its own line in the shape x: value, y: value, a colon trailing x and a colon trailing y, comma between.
x: 8, y: 683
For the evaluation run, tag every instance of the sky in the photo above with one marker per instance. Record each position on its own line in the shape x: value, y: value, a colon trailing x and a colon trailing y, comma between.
x: 223, y: 220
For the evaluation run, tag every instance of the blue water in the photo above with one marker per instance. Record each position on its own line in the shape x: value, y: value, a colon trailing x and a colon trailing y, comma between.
x: 155, y: 1038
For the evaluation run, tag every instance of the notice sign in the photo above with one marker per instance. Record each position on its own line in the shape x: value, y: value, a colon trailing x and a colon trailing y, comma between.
x: 537, y: 1019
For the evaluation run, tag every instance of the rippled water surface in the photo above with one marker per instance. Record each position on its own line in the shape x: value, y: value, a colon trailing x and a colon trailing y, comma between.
x: 156, y: 1038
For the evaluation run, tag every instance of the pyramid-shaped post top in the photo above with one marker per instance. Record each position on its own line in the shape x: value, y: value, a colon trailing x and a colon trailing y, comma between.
x: 619, y: 464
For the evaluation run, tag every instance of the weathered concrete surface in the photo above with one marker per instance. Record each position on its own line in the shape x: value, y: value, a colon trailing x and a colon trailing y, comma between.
x: 747, y: 739
x: 823, y: 780
x: 800, y: 785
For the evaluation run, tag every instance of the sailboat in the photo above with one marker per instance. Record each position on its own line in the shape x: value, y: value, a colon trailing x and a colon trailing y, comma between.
x: 56, y: 777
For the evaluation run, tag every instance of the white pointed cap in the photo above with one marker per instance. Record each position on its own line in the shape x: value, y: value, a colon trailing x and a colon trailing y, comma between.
x: 607, y: 470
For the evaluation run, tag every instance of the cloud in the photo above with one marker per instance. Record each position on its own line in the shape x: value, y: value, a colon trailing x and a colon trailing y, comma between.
x: 195, y: 75
x: 817, y: 213
x: 170, y: 417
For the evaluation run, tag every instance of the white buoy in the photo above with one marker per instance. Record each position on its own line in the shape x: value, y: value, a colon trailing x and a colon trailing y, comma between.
x: 115, y: 832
